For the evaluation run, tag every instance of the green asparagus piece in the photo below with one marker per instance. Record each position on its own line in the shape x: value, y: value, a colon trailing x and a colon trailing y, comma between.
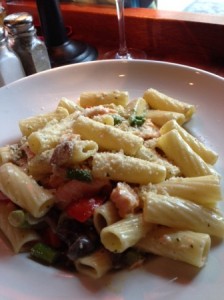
x: 44, y: 253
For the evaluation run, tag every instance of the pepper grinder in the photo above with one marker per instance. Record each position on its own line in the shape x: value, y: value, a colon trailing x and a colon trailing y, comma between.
x: 61, y: 50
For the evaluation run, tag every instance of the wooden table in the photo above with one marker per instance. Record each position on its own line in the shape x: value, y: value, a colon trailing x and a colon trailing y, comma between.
x: 192, y: 39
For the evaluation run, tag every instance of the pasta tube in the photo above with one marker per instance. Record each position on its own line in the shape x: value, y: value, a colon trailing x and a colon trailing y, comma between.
x: 88, y: 99
x: 160, y: 117
x: 105, y: 119
x: 182, y: 245
x: 49, y: 136
x: 151, y: 155
x: 138, y: 107
x: 203, y: 190
x: 29, y: 125
x: 117, y: 166
x: 6, y: 155
x: 18, y: 238
x: 40, y: 165
x: 72, y: 152
x: 183, y: 214
x: 125, y: 233
x: 208, y: 155
x: 69, y: 105
x: 82, y: 150
x: 107, y: 137
x: 105, y: 215
x: 160, y: 101
x: 24, y: 191
x: 178, y: 151
x: 96, y: 264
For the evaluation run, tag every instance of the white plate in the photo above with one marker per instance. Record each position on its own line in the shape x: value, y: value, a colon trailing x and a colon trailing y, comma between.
x: 21, y: 278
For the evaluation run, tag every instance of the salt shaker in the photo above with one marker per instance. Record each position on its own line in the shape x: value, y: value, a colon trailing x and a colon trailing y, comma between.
x: 11, y: 68
x: 24, y: 41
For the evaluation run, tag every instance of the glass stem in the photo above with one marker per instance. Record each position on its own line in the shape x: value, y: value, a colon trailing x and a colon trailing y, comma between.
x: 122, y: 51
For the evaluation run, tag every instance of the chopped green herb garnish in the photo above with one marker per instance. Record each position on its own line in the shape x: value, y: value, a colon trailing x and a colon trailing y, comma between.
x: 79, y: 174
x: 136, y: 121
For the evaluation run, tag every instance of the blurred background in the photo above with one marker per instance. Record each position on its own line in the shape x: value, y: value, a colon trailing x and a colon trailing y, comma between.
x: 196, y: 6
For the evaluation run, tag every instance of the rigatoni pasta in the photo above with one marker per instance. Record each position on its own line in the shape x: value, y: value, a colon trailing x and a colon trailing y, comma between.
x: 40, y: 165
x: 203, y: 190
x: 24, y: 191
x: 105, y: 215
x: 27, y: 126
x: 183, y: 245
x: 161, y: 101
x: 208, y: 155
x: 20, y: 239
x: 69, y: 105
x: 152, y: 155
x: 96, y: 264
x: 178, y: 151
x: 6, y: 155
x: 125, y: 233
x: 161, y: 117
x: 179, y: 213
x: 102, y: 183
x: 125, y: 168
x: 49, y: 136
x: 106, y: 136
x: 88, y: 99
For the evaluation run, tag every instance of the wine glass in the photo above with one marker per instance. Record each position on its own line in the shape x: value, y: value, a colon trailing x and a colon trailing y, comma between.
x: 123, y: 52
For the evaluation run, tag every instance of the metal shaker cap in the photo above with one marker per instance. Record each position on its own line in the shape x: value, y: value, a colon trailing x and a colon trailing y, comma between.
x: 20, y: 22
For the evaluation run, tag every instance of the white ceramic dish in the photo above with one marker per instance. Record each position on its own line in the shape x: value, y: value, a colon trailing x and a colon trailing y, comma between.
x: 160, y: 278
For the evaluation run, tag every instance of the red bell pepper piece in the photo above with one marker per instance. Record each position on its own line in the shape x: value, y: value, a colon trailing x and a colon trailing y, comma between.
x: 83, y: 209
